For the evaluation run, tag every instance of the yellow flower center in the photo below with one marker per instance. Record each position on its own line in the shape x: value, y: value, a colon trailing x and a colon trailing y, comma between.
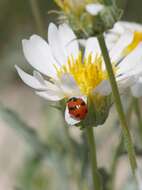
x: 136, y: 40
x: 87, y: 72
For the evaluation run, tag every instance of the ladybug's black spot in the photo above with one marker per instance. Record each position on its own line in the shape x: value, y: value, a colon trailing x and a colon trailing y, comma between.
x: 73, y: 99
x: 72, y: 108
x: 83, y: 103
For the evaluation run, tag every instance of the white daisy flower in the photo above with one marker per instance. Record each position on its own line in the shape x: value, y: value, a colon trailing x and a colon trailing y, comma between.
x: 73, y: 73
x: 120, y: 29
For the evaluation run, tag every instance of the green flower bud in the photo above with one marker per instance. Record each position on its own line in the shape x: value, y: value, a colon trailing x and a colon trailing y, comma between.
x: 98, y: 110
x: 89, y: 17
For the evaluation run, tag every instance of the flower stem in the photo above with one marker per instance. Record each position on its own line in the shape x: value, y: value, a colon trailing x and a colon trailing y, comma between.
x: 118, y: 104
x: 37, y: 17
x: 92, y: 149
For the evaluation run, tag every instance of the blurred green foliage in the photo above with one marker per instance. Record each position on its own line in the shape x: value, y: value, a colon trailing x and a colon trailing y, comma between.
x: 16, y: 15
x: 132, y: 10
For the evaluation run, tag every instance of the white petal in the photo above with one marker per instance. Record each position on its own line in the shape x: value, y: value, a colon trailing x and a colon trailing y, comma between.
x: 131, y: 26
x: 56, y: 44
x: 92, y: 46
x: 95, y: 8
x: 113, y: 35
x: 125, y: 82
x: 39, y: 77
x: 68, y: 40
x: 111, y: 39
x: 82, y: 42
x: 49, y: 85
x: 132, y: 64
x: 30, y: 80
x: 69, y: 86
x: 117, y: 50
x: 136, y: 89
x: 121, y: 28
x: 34, y: 81
x: 118, y: 29
x: 51, y: 95
x: 69, y: 119
x: 104, y: 88
x: 38, y: 54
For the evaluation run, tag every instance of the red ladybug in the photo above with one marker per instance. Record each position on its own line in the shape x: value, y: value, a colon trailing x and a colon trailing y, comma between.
x: 77, y: 108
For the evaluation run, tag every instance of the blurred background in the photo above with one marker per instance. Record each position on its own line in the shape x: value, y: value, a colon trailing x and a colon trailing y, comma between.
x: 37, y: 150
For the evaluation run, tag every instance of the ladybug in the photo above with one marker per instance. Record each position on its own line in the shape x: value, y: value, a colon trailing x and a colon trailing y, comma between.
x: 77, y: 108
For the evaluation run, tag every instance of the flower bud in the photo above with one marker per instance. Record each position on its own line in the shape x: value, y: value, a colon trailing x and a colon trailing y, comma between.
x: 89, y: 17
x: 98, y: 110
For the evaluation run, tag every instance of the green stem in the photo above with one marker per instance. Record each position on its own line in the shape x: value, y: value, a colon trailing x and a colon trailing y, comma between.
x: 138, y: 114
x: 92, y: 149
x: 37, y: 17
x: 118, y: 104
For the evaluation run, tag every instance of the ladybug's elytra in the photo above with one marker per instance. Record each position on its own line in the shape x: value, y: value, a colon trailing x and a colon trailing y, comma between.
x: 77, y: 108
